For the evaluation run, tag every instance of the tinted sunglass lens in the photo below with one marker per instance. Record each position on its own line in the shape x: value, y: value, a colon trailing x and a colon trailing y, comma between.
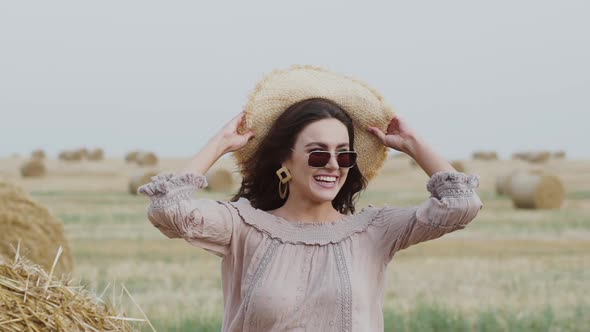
x: 318, y: 158
x: 346, y: 159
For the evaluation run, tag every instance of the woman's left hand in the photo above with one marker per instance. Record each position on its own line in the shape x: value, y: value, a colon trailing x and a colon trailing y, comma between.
x: 399, y: 135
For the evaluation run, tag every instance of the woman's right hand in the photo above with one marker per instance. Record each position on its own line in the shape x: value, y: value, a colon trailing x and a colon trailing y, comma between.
x: 229, y: 138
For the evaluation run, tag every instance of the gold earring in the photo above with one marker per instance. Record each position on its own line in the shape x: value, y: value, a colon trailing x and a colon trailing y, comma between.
x: 284, y: 177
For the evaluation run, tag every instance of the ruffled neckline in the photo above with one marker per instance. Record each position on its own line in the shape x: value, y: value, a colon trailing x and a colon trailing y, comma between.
x: 301, y: 232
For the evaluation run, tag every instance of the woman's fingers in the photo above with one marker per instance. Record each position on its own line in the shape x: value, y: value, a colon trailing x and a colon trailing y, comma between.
x: 377, y: 132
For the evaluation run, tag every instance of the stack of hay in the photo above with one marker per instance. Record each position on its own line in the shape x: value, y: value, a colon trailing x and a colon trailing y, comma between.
x: 96, y: 154
x: 71, y: 155
x: 532, y: 189
x: 142, y: 158
x: 538, y: 156
x: 485, y: 155
x: 40, y: 233
x: 140, y: 179
x: 34, y: 300
x: 38, y: 154
x: 220, y: 180
x: 34, y: 167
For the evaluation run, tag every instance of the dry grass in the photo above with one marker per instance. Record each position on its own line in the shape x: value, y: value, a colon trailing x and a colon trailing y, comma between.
x: 508, y: 259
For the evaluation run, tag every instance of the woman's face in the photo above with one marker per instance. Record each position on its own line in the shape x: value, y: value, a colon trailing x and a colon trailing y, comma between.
x: 318, y: 184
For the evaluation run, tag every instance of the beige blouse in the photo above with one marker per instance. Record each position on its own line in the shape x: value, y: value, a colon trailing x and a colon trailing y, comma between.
x: 281, y: 275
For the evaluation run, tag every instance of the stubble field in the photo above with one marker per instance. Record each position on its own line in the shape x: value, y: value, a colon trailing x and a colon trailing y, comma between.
x: 510, y: 270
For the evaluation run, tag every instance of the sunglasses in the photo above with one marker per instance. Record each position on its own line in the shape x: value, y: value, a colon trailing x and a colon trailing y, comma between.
x: 319, y: 159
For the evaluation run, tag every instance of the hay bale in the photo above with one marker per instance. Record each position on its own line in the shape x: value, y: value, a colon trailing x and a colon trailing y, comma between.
x: 501, y: 184
x: 458, y: 166
x: 147, y: 159
x: 34, y: 300
x: 485, y: 155
x: 140, y: 179
x: 536, y: 190
x: 539, y: 157
x: 38, y: 154
x: 33, y: 168
x: 96, y: 154
x: 83, y: 153
x: 71, y: 156
x: 41, y: 233
x: 131, y: 157
x: 220, y: 180
x: 558, y: 154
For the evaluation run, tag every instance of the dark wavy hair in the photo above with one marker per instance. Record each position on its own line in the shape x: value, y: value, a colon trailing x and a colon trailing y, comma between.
x: 260, y: 182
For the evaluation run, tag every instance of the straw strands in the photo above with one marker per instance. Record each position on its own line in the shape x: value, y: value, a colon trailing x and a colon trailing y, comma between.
x: 33, y: 300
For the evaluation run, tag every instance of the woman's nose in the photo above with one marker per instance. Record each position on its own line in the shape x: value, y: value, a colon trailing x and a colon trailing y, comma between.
x: 333, y: 163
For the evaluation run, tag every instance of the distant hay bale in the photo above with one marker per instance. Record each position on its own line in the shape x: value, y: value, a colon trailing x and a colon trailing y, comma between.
x: 34, y: 300
x: 558, y: 154
x: 139, y: 180
x: 38, y: 154
x: 71, y: 156
x: 485, y: 155
x: 220, y: 180
x: 539, y: 157
x: 83, y: 153
x: 41, y: 233
x: 131, y: 157
x: 147, y: 159
x: 458, y: 166
x: 33, y: 168
x: 501, y: 184
x: 520, y: 156
x: 96, y: 154
x: 536, y: 191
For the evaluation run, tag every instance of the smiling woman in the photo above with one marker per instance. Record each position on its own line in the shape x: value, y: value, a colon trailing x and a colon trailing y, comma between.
x: 296, y: 253
x: 305, y: 128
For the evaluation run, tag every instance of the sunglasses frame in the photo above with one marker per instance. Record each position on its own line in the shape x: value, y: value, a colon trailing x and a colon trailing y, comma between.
x: 331, y: 155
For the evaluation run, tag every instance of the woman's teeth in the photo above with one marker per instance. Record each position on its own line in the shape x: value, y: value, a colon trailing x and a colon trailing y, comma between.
x: 329, y: 179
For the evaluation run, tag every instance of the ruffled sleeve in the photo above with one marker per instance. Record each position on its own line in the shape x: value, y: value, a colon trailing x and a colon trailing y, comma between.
x: 452, y: 205
x: 174, y: 210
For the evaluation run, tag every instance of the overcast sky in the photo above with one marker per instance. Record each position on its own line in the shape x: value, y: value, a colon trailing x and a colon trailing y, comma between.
x: 165, y: 76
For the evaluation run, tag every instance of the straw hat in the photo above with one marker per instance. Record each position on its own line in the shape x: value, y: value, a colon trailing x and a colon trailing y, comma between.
x: 283, y: 88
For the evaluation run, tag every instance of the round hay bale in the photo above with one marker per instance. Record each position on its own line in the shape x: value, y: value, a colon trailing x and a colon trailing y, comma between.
x: 40, y: 233
x: 220, y: 180
x: 501, y: 184
x: 539, y: 157
x: 536, y: 191
x: 70, y: 155
x: 38, y: 154
x: 147, y: 159
x: 83, y: 153
x: 131, y: 157
x: 458, y: 166
x: 33, y: 168
x: 96, y: 154
x: 558, y: 154
x: 34, y: 300
x: 485, y: 155
x: 139, y: 180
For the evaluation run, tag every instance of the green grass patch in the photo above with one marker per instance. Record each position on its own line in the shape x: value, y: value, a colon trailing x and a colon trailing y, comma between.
x: 434, y: 318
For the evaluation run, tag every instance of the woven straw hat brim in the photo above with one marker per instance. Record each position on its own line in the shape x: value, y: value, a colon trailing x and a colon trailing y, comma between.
x: 283, y: 88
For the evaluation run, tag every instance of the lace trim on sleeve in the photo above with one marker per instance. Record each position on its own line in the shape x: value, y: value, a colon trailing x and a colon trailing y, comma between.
x: 454, y: 184
x: 167, y: 182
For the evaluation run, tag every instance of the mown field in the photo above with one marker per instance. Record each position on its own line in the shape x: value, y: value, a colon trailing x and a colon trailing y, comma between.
x: 510, y: 270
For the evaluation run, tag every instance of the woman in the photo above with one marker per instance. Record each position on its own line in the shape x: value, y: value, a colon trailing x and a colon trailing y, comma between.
x: 296, y: 254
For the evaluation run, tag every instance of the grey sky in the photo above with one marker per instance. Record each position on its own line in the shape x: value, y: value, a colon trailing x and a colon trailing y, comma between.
x: 164, y: 76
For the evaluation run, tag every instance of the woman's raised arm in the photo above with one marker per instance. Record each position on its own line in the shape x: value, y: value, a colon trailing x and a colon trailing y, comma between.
x: 174, y: 210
